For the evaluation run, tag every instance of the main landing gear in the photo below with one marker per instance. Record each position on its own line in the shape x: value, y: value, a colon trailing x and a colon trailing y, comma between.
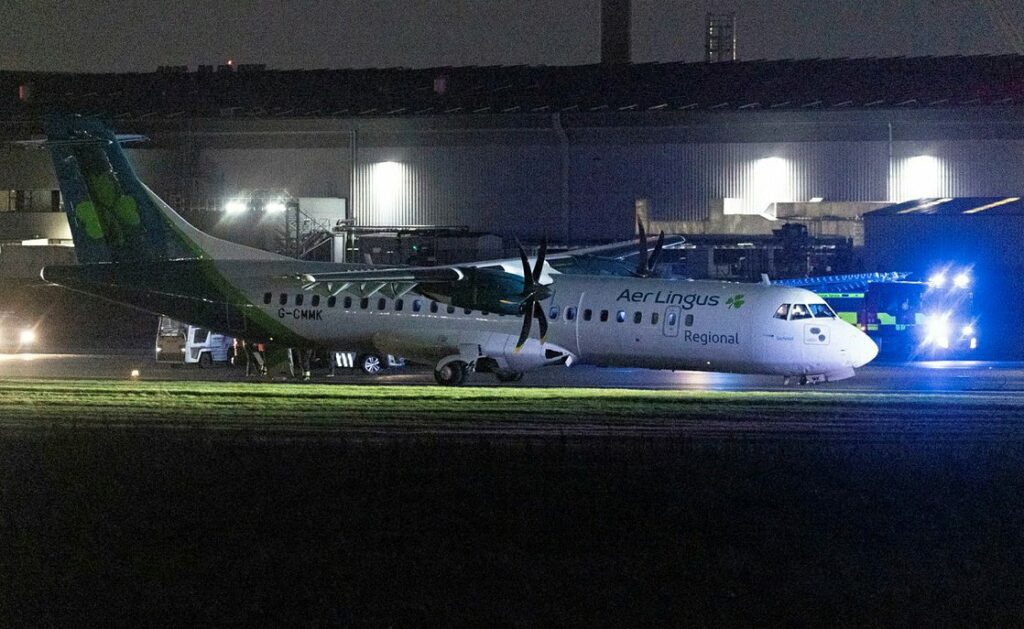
x: 451, y: 374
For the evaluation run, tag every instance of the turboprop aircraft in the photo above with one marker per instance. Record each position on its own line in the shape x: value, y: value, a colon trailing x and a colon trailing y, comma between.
x: 134, y: 249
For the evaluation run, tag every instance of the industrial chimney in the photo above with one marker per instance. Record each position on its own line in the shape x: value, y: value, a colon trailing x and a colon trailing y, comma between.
x: 615, y: 32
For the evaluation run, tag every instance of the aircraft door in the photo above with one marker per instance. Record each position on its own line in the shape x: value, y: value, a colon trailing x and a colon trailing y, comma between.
x: 671, y: 325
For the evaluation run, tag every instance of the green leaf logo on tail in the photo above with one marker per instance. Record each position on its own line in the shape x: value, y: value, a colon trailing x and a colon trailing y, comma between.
x: 735, y: 302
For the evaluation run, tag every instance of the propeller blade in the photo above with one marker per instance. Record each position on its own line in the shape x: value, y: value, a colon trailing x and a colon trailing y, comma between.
x: 538, y: 266
x: 652, y: 264
x: 542, y: 319
x: 527, y: 274
x: 641, y: 263
x: 527, y: 323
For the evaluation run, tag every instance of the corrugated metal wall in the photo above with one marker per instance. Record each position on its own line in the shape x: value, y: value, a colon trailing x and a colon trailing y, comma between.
x: 503, y: 188
x: 516, y: 189
x: 957, y: 169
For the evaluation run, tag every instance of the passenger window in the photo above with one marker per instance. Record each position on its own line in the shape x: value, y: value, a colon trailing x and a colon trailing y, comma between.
x: 199, y: 336
x: 348, y: 302
x: 822, y: 311
x: 587, y: 314
x: 654, y: 318
x: 553, y: 313
x: 620, y: 316
x: 433, y: 306
x: 399, y: 304
x: 671, y: 319
x: 799, y: 311
x: 416, y: 305
x: 267, y: 297
x: 382, y: 304
x: 570, y: 314
x: 332, y: 301
x: 782, y: 312
x: 638, y: 316
x: 283, y: 300
x: 364, y: 303
x: 315, y: 301
x: 451, y: 309
x: 298, y: 299
x: 604, y: 315
x: 689, y: 321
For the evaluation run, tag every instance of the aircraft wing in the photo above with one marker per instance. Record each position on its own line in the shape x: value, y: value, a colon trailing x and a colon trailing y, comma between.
x: 414, y: 274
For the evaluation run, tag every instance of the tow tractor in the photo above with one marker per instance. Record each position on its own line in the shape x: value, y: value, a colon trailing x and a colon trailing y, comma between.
x: 183, y: 344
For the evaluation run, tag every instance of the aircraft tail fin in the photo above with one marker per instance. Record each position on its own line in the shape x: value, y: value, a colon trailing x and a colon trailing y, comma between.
x: 114, y: 217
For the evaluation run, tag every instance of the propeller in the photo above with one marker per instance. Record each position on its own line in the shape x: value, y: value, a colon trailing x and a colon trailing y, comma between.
x: 647, y: 264
x: 533, y: 293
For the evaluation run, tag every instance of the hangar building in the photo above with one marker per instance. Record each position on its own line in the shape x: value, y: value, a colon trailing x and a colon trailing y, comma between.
x: 569, y: 152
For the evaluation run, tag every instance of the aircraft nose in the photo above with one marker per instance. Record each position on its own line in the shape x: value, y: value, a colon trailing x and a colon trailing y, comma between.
x: 862, y: 349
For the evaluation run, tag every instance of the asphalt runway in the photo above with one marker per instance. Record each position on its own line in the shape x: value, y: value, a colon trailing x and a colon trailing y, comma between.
x: 918, y: 377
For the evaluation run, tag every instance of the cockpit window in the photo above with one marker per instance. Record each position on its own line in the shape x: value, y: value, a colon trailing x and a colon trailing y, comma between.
x: 799, y: 311
x: 822, y: 311
x: 782, y: 312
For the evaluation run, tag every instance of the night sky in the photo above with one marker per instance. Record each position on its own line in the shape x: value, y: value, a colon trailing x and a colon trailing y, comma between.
x: 99, y: 35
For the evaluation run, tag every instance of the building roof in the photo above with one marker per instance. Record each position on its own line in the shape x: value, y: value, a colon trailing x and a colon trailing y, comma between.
x: 960, y: 206
x: 252, y: 91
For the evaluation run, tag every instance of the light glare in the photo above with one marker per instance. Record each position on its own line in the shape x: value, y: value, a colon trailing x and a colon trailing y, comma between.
x: 235, y: 206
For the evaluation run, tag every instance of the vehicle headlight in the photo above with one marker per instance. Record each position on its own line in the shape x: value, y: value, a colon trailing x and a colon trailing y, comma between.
x: 938, y: 330
x: 27, y: 337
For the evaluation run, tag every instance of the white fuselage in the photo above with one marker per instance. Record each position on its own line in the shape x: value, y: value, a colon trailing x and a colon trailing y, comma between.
x: 613, y: 321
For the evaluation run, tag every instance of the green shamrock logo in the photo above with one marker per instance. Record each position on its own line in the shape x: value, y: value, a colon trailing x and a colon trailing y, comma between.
x: 735, y: 302
x: 108, y: 210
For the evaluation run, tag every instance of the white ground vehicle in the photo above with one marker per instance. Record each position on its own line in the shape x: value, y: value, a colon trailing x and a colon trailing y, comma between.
x: 181, y: 343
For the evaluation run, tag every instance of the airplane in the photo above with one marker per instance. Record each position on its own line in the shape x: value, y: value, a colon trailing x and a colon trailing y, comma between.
x: 134, y: 249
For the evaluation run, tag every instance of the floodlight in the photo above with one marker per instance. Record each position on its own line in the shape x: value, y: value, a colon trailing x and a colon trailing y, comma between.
x: 962, y: 280
x: 274, y: 207
x: 937, y: 280
x: 27, y: 336
x: 235, y: 206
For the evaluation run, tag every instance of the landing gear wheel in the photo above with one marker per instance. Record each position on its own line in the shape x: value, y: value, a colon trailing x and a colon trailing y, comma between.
x: 803, y: 380
x: 451, y: 374
x: 509, y: 376
x: 205, y: 360
x: 371, y: 364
